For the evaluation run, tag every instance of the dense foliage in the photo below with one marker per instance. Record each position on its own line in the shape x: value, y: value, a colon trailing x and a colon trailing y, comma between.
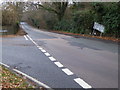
x: 108, y: 14
x: 80, y: 17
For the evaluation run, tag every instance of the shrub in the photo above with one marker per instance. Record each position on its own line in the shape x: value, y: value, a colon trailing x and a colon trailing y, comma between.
x: 108, y: 15
x: 64, y: 25
x: 83, y: 21
x: 111, y: 20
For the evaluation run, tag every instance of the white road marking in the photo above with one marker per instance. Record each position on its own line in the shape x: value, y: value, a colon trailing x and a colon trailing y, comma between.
x: 43, y: 50
x: 4, y: 64
x: 52, y: 58
x: 29, y: 37
x: 58, y: 64
x: 31, y: 78
x: 32, y: 40
x: 40, y: 48
x: 25, y: 37
x: 47, y: 54
x: 82, y: 83
x: 67, y: 71
x: 35, y: 43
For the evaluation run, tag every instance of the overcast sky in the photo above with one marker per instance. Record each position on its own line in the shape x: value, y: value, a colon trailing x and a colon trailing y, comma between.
x: 59, y: 0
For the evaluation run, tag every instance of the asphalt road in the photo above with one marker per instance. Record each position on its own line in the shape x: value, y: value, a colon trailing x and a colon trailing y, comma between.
x: 93, y: 61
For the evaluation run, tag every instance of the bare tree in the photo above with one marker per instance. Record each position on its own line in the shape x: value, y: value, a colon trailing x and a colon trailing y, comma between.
x: 57, y: 8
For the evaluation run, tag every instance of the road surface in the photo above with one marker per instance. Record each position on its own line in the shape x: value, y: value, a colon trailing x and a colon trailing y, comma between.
x: 67, y: 61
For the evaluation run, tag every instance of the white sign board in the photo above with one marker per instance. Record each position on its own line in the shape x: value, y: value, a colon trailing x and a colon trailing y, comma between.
x: 98, y: 27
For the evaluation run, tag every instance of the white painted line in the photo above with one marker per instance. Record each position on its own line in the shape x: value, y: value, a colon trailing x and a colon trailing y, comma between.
x: 31, y: 78
x: 52, y: 58
x: 29, y: 37
x: 47, y: 54
x: 40, y: 48
x: 58, y: 64
x: 25, y: 37
x: 35, y: 43
x: 43, y: 50
x: 32, y: 40
x: 4, y: 64
x: 67, y: 71
x: 82, y: 83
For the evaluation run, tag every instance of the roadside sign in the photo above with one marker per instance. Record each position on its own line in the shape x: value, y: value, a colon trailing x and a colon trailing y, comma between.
x: 98, y: 27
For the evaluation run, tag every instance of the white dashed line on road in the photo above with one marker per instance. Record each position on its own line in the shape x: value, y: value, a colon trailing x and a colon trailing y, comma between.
x: 43, y: 50
x: 47, y: 54
x: 29, y: 37
x: 82, y: 83
x: 52, y: 58
x: 40, y: 48
x: 32, y: 40
x: 67, y: 71
x: 25, y: 37
x: 35, y: 43
x: 58, y: 64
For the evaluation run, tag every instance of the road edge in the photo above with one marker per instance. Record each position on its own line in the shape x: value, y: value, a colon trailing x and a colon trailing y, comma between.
x: 27, y: 76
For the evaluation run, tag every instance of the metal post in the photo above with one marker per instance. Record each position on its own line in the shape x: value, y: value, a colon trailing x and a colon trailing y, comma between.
x: 93, y: 31
x: 101, y: 34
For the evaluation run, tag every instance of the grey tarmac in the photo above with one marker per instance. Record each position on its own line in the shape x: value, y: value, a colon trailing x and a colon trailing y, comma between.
x: 93, y: 61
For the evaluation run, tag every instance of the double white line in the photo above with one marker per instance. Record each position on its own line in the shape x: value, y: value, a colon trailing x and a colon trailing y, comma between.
x: 25, y: 37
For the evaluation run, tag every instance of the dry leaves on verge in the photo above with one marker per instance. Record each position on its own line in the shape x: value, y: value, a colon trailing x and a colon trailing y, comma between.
x: 89, y: 36
x: 9, y: 79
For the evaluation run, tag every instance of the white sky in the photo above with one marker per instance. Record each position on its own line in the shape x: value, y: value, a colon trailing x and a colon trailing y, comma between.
x: 59, y: 0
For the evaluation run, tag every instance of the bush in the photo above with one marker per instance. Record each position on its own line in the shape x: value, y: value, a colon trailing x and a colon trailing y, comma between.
x: 111, y: 20
x: 80, y: 18
x: 108, y: 15
x: 83, y: 21
x: 16, y: 27
x: 63, y: 25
